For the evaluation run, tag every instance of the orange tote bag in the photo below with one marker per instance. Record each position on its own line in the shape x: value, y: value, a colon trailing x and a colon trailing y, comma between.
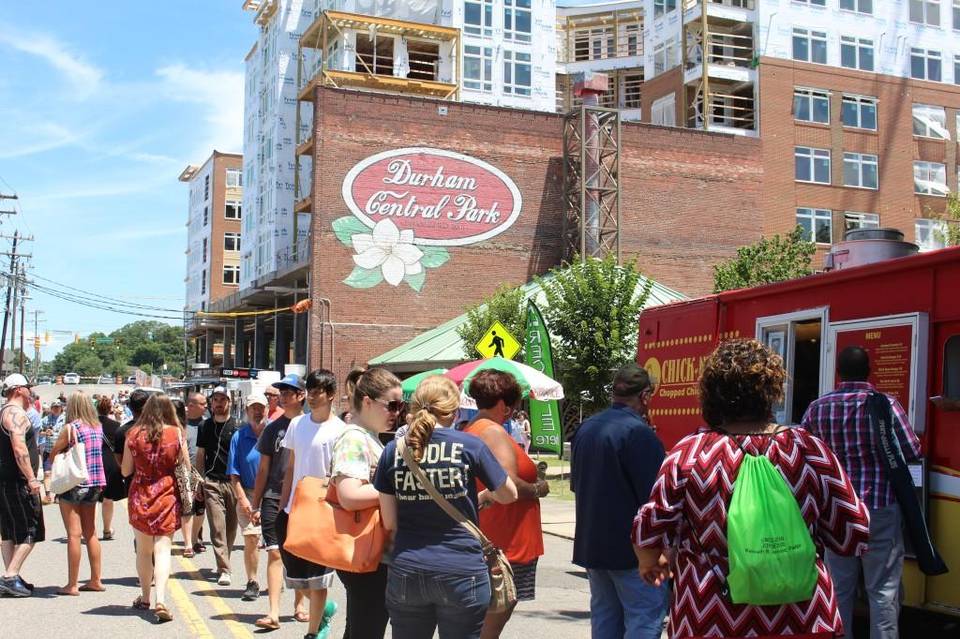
x: 326, y: 533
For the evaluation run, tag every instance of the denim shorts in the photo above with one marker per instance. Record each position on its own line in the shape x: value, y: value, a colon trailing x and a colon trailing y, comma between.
x: 421, y: 600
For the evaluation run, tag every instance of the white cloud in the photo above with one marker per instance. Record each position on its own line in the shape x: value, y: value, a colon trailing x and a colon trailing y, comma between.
x: 85, y: 78
x: 23, y: 135
x: 219, y: 93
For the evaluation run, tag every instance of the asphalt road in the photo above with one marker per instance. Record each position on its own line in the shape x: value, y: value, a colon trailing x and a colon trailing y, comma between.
x: 49, y: 392
x: 203, y: 609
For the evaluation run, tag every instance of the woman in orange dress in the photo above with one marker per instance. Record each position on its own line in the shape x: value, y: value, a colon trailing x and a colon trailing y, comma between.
x: 151, y: 452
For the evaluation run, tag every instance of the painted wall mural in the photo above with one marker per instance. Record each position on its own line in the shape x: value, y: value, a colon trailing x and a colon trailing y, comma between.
x: 407, y: 205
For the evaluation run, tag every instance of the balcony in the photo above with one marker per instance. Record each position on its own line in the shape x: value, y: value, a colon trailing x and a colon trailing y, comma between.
x: 723, y: 10
x: 389, y: 55
x: 730, y: 54
x: 730, y: 107
x: 600, y: 41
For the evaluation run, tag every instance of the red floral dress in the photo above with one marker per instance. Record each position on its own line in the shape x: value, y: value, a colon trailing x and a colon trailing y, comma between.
x: 688, y: 511
x: 153, y: 502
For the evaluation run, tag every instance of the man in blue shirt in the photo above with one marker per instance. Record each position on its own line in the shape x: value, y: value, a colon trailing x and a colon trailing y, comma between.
x: 616, y: 456
x: 242, y: 464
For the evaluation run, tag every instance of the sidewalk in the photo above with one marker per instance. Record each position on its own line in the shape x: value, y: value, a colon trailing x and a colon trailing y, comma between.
x: 558, y: 517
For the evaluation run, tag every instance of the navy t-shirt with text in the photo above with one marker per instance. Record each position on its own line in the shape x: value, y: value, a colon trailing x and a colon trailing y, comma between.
x: 428, y: 538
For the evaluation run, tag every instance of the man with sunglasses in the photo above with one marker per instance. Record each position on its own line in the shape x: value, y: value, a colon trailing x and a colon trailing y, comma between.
x: 274, y: 409
x: 266, y: 493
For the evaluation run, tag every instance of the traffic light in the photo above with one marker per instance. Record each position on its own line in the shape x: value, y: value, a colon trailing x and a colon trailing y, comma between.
x: 36, y: 342
x: 46, y: 337
x: 76, y: 338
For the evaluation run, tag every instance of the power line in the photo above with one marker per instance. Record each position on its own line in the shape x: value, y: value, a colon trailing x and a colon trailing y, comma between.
x: 103, y: 307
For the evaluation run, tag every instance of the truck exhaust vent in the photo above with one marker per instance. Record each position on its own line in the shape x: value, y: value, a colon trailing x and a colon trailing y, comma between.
x: 867, y: 246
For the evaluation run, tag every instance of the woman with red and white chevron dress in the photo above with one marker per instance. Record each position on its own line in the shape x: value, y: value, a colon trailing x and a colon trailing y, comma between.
x: 686, y: 516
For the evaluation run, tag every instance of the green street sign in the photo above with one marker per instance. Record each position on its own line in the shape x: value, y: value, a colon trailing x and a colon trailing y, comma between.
x: 104, y: 340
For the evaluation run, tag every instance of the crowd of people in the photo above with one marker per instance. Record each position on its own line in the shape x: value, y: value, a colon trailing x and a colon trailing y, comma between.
x: 652, y: 526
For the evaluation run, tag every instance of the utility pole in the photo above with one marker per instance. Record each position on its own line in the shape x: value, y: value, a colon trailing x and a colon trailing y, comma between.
x: 10, y: 307
x: 8, y: 197
x: 36, y: 344
x: 6, y: 308
x: 23, y: 313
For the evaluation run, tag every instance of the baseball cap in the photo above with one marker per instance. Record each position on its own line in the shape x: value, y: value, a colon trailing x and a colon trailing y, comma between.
x: 256, y: 398
x: 14, y: 380
x: 56, y: 403
x: 631, y: 379
x: 220, y: 390
x: 290, y: 381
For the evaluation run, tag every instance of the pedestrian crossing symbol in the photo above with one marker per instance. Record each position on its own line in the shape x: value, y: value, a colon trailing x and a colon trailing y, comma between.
x: 498, y: 342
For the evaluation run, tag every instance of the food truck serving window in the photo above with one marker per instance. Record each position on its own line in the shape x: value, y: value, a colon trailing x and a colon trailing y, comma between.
x: 951, y: 367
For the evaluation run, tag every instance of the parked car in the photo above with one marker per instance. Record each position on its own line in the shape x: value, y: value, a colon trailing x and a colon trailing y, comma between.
x: 43, y: 381
x: 71, y: 378
x: 131, y: 380
x: 105, y: 379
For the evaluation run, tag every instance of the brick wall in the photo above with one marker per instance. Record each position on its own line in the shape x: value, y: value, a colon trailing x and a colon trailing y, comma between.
x: 688, y: 200
x: 893, y: 142
x: 663, y: 85
x: 220, y: 225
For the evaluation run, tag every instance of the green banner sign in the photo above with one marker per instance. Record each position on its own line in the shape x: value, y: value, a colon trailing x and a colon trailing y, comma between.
x: 546, y: 426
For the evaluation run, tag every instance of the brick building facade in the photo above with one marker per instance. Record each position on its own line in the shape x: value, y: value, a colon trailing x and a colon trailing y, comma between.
x: 672, y: 182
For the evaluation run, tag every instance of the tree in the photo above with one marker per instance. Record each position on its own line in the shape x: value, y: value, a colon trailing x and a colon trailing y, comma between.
x: 949, y: 233
x: 88, y: 365
x: 592, y: 310
x: 770, y: 260
x: 142, y: 343
x: 506, y: 305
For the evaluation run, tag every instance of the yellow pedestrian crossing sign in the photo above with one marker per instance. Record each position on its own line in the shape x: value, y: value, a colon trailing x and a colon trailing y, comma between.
x: 498, y: 342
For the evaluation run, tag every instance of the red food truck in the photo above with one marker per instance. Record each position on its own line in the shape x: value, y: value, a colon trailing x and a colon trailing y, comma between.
x: 905, y: 311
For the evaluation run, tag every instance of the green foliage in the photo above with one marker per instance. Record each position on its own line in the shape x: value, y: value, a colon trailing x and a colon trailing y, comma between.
x: 770, y: 260
x: 592, y: 310
x: 950, y: 234
x: 144, y: 344
x: 506, y: 305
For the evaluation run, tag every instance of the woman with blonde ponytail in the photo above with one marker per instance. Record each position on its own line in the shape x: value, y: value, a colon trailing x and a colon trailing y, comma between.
x: 437, y: 578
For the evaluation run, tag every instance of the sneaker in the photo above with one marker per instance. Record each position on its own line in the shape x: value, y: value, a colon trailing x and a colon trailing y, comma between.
x: 224, y: 579
x: 252, y: 591
x: 14, y: 587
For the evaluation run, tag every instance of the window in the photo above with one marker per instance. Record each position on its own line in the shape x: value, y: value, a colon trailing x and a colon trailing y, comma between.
x: 664, y: 57
x: 859, y: 112
x: 231, y: 210
x: 593, y: 44
x: 853, y: 220
x: 860, y: 6
x: 925, y: 12
x: 663, y: 111
x: 231, y: 241
x: 231, y: 274
x: 951, y: 367
x: 203, y: 283
x: 478, y: 17
x: 930, y: 122
x: 812, y: 165
x: 206, y: 187
x: 633, y: 38
x: 813, y: 3
x: 516, y: 73
x: 234, y: 178
x: 930, y: 178
x: 811, y: 105
x: 632, y: 85
x: 925, y: 64
x: 478, y: 68
x: 856, y: 53
x: 810, y: 46
x: 424, y: 60
x: 203, y: 256
x: 956, y: 15
x: 930, y: 234
x: 516, y: 20
x: 206, y: 215
x: 956, y: 63
x: 661, y: 7
x: 817, y: 224
x: 860, y: 169
x: 374, y: 54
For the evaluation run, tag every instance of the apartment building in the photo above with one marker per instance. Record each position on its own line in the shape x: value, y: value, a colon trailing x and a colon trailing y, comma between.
x: 213, y: 229
x: 855, y: 101
x: 602, y: 37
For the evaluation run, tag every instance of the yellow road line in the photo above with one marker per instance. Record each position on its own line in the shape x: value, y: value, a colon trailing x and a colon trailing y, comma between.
x: 237, y: 629
x: 188, y: 611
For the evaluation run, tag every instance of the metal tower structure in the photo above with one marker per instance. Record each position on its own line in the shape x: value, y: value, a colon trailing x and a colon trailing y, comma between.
x: 591, y: 174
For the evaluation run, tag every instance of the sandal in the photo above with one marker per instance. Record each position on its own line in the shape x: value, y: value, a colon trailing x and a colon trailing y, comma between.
x: 302, y: 617
x: 267, y: 623
x: 140, y: 604
x: 163, y: 615
x: 188, y: 553
x: 107, y: 535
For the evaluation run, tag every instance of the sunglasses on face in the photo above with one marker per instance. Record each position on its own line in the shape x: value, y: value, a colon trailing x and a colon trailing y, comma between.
x: 393, y: 406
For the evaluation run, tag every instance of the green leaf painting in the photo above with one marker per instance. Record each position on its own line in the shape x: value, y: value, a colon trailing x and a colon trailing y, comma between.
x: 364, y: 278
x: 416, y: 281
x: 348, y: 226
x: 434, y: 256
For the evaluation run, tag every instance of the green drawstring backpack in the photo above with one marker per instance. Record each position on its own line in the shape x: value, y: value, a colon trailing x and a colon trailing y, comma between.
x: 772, y: 557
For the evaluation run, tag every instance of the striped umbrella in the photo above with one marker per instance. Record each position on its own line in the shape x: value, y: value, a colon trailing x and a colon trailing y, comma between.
x: 532, y: 382
x: 410, y: 384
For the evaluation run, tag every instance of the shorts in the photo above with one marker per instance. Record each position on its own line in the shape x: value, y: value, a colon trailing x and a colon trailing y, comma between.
x: 269, y: 507
x: 525, y: 580
x: 300, y: 574
x: 81, y: 495
x: 247, y: 527
x: 21, y: 515
x: 47, y: 462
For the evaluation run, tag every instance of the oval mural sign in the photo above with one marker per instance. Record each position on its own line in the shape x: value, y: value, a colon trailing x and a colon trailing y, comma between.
x: 440, y: 198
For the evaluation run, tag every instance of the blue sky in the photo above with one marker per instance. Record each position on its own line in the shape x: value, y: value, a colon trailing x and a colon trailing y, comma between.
x: 102, y: 105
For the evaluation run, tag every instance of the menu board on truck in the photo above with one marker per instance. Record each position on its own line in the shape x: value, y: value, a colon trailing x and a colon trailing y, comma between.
x: 897, y: 347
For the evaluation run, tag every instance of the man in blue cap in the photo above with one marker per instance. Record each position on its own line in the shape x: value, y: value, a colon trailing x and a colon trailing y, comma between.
x: 266, y: 494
